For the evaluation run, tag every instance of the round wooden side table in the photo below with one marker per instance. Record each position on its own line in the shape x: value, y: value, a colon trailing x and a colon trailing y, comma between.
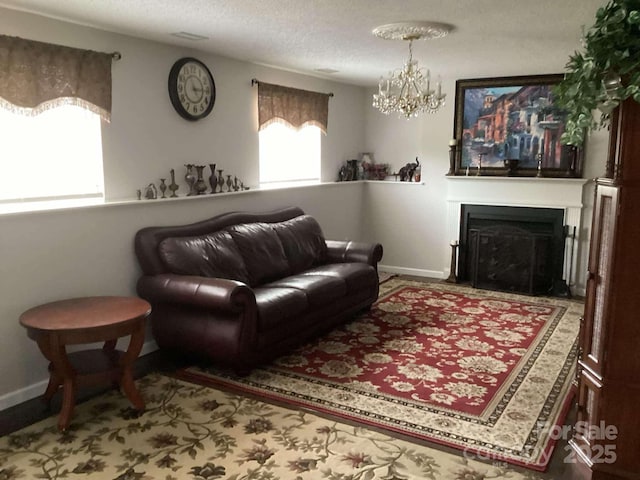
x: 88, y: 320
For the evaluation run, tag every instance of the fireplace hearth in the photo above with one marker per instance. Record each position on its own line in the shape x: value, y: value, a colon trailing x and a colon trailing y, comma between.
x: 513, y: 249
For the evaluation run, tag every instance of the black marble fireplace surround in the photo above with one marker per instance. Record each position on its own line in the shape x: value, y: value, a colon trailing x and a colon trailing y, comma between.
x: 513, y: 249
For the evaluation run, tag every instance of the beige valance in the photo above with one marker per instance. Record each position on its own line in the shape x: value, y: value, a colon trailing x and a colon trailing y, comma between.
x: 291, y: 106
x: 36, y: 76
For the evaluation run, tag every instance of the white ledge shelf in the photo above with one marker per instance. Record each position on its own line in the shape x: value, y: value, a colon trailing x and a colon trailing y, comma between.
x: 398, y: 182
x: 488, y: 178
x: 180, y: 198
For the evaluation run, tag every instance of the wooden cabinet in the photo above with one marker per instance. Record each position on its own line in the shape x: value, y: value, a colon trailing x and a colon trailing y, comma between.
x: 606, y: 440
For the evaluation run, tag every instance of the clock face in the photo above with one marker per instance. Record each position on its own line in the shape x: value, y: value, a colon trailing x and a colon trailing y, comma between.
x: 191, y: 88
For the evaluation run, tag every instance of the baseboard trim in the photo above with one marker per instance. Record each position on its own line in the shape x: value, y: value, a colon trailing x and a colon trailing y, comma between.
x: 37, y: 389
x: 417, y: 272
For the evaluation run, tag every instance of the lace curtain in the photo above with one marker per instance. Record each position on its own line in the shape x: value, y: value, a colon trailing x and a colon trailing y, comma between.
x: 36, y: 76
x: 291, y: 106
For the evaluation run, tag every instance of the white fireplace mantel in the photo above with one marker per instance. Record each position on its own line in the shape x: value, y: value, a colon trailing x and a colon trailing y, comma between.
x: 562, y: 193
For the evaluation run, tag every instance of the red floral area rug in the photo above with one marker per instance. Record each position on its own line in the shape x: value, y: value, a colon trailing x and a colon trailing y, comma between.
x: 484, y: 372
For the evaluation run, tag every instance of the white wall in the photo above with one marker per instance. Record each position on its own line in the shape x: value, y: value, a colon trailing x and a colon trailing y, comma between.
x: 89, y: 251
x: 410, y: 219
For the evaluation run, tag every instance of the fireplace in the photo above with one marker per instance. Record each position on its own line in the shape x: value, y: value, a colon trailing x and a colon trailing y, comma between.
x: 515, y: 249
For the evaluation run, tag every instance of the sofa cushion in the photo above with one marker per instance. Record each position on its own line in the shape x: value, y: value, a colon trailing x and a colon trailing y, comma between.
x: 261, y: 251
x: 277, y: 304
x: 319, y: 289
x: 356, y: 275
x: 303, y: 242
x: 211, y: 255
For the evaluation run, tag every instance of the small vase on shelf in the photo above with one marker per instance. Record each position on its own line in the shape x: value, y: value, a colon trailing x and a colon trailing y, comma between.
x: 229, y: 183
x: 213, y: 180
x: 200, y: 187
x: 173, y: 186
x: 163, y: 187
x: 220, y: 179
x: 190, y: 178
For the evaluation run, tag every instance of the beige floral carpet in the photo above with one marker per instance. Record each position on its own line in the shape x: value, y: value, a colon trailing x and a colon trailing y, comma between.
x: 385, y: 276
x: 487, y: 373
x: 192, y: 432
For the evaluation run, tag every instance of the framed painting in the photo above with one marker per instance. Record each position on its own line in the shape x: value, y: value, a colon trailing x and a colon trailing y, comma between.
x: 511, y: 126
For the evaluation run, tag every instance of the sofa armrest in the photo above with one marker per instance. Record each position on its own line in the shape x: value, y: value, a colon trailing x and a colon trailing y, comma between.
x: 205, y: 292
x: 342, y: 251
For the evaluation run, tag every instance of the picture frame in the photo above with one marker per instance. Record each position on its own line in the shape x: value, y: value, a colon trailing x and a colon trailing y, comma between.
x: 509, y: 126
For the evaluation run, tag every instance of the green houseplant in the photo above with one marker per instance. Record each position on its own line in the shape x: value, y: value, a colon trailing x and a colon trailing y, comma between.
x: 605, y: 73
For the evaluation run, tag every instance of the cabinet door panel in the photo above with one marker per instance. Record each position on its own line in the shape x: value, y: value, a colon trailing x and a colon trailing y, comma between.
x: 588, y: 416
x: 598, y: 282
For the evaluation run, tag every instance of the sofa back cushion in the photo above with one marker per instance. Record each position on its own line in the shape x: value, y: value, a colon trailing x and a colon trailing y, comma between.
x: 303, y: 242
x: 212, y: 255
x: 261, y: 250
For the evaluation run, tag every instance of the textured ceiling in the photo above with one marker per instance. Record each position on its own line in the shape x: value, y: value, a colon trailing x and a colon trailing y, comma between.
x: 491, y: 37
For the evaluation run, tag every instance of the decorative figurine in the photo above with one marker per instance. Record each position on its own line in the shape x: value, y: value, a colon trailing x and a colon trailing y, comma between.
x: 150, y: 193
x: 342, y: 174
x: 139, y: 194
x: 354, y: 171
x: 406, y: 173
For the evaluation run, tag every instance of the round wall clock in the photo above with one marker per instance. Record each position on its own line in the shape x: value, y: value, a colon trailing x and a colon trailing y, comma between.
x: 191, y: 88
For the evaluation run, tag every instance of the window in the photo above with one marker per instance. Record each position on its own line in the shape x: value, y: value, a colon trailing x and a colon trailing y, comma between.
x: 50, y: 160
x: 289, y: 156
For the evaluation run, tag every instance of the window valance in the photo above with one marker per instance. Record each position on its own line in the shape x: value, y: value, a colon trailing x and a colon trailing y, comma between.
x: 291, y: 106
x: 36, y: 76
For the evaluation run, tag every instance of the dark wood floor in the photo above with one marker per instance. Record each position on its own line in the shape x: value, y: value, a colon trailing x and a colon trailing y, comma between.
x: 34, y: 410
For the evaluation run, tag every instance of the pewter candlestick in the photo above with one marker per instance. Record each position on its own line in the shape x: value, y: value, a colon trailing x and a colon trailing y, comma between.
x: 452, y: 278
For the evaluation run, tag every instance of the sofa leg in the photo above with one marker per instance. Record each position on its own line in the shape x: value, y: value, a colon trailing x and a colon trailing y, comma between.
x: 242, y: 371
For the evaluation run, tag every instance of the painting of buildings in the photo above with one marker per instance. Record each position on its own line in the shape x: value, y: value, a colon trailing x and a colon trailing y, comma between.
x: 512, y: 122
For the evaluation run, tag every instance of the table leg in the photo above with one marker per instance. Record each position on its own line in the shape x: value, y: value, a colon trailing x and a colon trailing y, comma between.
x: 110, y: 346
x: 126, y: 363
x: 61, y: 373
x: 54, y: 379
x: 54, y: 384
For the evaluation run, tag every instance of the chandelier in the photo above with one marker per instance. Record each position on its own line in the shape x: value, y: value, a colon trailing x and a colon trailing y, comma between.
x: 408, y: 91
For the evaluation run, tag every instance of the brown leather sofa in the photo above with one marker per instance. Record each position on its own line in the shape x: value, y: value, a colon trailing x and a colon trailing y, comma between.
x: 241, y: 288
